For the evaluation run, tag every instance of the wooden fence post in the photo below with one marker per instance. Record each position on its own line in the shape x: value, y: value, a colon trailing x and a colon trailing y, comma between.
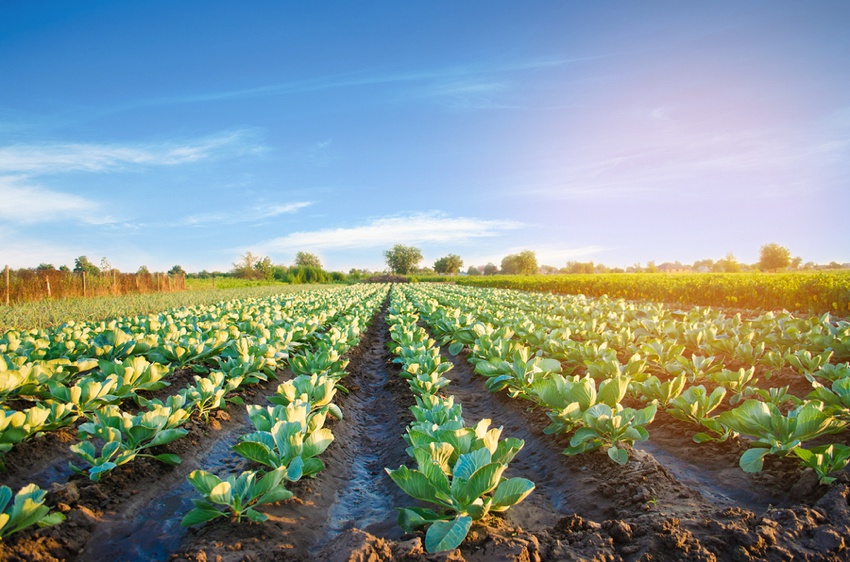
x: 8, y: 286
x: 84, y: 283
x: 47, y: 279
x: 114, y: 283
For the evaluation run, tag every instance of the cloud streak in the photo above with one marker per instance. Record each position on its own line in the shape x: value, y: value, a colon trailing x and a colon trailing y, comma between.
x: 687, y: 163
x: 255, y: 213
x: 31, y: 204
x: 49, y: 158
x: 422, y: 228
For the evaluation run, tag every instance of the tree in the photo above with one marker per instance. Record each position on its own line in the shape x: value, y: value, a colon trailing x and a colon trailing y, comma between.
x: 105, y: 266
x: 523, y: 263
x: 473, y: 270
x: 64, y: 268
x: 265, y: 268
x: 402, y: 259
x: 143, y: 270
x: 306, y: 259
x: 490, y: 269
x: 729, y: 264
x: 707, y: 263
x: 449, y: 265
x: 45, y: 267
x: 82, y: 264
x: 245, y: 266
x: 580, y: 267
x: 773, y: 257
x: 176, y: 270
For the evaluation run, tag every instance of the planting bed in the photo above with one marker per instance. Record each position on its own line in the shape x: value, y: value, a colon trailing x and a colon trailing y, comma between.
x: 673, y: 500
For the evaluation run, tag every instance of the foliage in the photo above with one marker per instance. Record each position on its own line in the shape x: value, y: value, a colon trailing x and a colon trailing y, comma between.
x: 459, y: 470
x: 82, y: 264
x: 293, y: 442
x: 125, y: 436
x: 817, y: 292
x: 244, y: 267
x: 774, y: 433
x: 824, y: 460
x: 448, y: 265
x: 523, y: 263
x: 238, y: 495
x: 403, y: 259
x: 306, y: 259
x: 26, y: 510
x: 773, y: 256
x: 615, y: 427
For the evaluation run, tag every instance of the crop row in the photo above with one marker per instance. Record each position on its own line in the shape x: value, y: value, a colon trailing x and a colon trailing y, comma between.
x: 814, y: 292
x: 54, y: 312
x: 237, y: 343
x: 289, y: 435
x: 581, y: 359
x: 459, y: 468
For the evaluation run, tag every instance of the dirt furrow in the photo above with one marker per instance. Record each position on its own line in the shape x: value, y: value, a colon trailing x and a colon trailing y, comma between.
x: 353, y: 491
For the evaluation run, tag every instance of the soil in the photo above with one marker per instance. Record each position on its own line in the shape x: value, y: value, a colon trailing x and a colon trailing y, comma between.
x: 673, y: 500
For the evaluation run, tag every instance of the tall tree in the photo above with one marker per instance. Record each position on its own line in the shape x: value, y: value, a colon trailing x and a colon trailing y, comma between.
x: 773, y: 257
x: 523, y: 263
x: 82, y: 263
x: 306, y: 259
x: 490, y: 269
x: 448, y: 265
x: 245, y: 266
x: 729, y: 264
x: 265, y: 268
x: 176, y: 270
x: 402, y: 259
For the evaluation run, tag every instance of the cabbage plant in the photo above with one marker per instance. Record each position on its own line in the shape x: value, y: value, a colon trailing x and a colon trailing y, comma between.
x: 27, y: 509
x: 695, y: 405
x: 290, y: 444
x: 125, y: 436
x: 236, y: 497
x: 614, y: 427
x: 774, y: 433
x: 461, y: 474
x: 824, y: 460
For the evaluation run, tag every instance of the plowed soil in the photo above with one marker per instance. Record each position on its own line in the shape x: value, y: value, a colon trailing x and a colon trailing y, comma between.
x: 674, y: 500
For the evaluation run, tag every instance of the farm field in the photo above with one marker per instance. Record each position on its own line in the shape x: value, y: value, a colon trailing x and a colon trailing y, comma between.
x: 810, y: 292
x: 691, y: 434
x: 50, y: 312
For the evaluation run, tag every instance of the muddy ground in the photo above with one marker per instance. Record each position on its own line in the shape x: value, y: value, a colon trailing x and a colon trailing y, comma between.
x: 674, y: 500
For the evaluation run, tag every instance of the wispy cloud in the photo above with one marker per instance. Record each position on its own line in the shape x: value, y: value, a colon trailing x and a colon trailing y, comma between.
x: 24, y: 251
x: 687, y: 163
x: 421, y: 228
x: 254, y: 213
x: 21, y: 203
x: 47, y: 158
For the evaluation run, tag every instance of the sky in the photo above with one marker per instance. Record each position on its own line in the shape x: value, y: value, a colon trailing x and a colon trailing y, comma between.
x: 165, y: 133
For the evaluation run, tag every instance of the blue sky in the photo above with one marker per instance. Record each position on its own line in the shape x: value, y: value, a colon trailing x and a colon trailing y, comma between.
x: 159, y: 133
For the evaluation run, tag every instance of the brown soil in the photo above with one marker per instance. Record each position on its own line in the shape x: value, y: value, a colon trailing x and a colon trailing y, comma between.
x: 674, y: 500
